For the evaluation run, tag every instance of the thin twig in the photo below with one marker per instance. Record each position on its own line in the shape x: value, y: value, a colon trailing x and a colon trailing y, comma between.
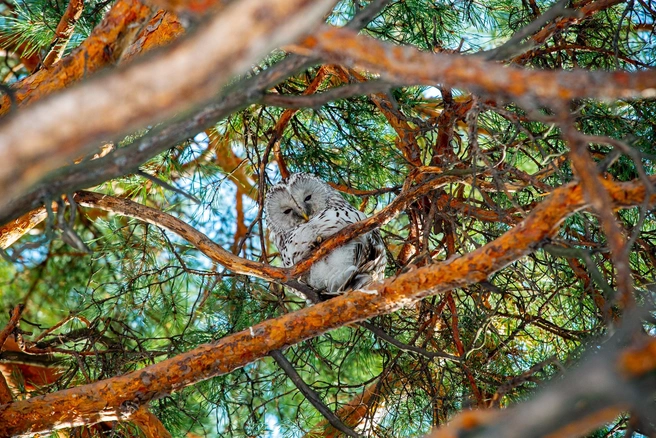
x: 310, y: 394
x: 406, y: 347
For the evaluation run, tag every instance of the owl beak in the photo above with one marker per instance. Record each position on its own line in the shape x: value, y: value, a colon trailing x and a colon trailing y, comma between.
x: 305, y: 216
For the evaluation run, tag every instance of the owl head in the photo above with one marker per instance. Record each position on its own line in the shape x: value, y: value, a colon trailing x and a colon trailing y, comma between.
x: 296, y: 200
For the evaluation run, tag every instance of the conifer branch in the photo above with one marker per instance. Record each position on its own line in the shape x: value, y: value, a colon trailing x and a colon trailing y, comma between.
x: 148, y: 91
x: 115, y: 398
x: 407, y: 65
x: 64, y: 32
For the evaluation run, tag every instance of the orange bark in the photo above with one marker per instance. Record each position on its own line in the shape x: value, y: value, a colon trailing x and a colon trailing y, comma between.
x: 114, y: 398
x: 12, y: 231
x: 149, y: 424
x: 11, y: 326
x: 163, y: 28
x: 407, y: 65
x: 103, y: 47
x: 64, y: 31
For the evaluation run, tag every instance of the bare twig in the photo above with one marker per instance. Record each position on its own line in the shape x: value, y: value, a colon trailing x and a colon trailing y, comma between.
x: 310, y: 394
x: 406, y: 347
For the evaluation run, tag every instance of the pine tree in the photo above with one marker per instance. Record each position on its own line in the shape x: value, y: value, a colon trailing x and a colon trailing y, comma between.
x: 505, y: 150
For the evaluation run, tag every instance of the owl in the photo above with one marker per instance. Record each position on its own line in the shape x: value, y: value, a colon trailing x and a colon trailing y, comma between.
x: 301, y: 212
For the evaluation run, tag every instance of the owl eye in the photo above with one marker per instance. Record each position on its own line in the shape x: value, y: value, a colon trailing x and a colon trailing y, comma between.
x: 308, y: 197
x: 289, y: 210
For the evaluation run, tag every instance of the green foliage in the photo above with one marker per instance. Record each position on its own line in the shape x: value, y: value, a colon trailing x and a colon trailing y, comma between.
x: 144, y: 294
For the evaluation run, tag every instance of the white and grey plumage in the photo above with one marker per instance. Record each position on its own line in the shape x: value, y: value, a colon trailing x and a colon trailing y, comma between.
x: 302, y: 211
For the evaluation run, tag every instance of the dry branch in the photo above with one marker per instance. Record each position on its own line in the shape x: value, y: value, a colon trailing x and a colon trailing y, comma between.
x: 407, y: 65
x: 115, y: 398
x: 47, y: 135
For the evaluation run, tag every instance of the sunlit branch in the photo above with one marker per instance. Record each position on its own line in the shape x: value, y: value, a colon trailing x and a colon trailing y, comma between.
x: 112, y: 398
x: 46, y: 135
x: 407, y: 65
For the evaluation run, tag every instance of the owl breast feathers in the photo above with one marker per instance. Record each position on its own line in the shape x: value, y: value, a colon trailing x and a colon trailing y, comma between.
x: 301, y: 212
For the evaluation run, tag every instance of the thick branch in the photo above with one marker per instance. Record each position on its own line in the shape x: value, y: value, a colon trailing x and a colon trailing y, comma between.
x: 47, y: 135
x: 103, y: 47
x: 127, y: 159
x: 407, y: 65
x: 113, y: 398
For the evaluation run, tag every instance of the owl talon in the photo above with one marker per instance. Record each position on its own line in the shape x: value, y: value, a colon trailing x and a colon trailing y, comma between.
x: 316, y: 243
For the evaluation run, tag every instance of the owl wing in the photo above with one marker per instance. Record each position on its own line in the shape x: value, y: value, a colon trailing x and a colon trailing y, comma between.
x: 369, y: 257
x: 368, y: 254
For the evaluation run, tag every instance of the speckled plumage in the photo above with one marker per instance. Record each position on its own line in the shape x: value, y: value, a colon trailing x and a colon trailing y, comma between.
x: 351, y: 266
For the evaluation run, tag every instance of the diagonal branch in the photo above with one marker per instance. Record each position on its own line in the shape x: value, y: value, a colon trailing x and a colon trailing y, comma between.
x: 115, y: 398
x: 595, y: 193
x: 127, y: 159
x: 45, y: 136
x: 158, y: 218
x: 64, y: 32
x: 310, y: 394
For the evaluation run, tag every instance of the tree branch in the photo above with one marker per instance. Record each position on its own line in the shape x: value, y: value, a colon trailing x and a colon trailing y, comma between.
x: 104, y: 46
x: 149, y: 424
x: 319, y: 99
x: 310, y: 394
x: 64, y: 31
x: 112, y: 398
x: 46, y: 136
x: 158, y: 218
x: 596, y: 195
x: 11, y: 325
x: 127, y: 159
x: 407, y: 65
